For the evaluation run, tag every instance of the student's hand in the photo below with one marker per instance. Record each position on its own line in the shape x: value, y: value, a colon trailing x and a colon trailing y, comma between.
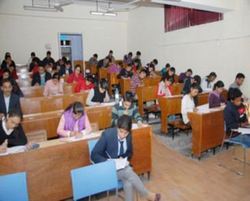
x: 3, y: 147
x: 1, y: 115
x: 140, y: 124
x: 195, y: 109
x: 245, y: 124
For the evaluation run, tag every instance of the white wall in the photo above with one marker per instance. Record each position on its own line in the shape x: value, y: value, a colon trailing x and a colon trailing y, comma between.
x: 22, y: 32
x: 223, y: 47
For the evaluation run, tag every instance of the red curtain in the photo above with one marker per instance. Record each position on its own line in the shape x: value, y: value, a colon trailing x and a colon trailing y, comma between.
x: 179, y: 17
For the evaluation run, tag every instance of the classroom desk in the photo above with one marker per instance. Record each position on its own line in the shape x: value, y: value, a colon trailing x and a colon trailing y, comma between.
x: 207, y: 130
x: 112, y: 80
x: 101, y: 115
x: 48, y: 167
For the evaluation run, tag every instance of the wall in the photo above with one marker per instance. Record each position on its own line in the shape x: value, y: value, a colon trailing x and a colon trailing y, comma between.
x: 222, y: 47
x: 25, y: 31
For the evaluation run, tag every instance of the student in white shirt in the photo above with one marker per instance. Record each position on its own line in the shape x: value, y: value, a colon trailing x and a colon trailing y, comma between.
x: 188, y: 104
x: 207, y: 83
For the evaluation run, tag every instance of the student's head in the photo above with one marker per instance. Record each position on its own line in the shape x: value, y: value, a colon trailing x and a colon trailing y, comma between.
x: 196, y: 79
x: 110, y: 52
x: 194, y: 90
x: 219, y: 86
x: 151, y: 67
x: 212, y: 76
x: 130, y: 54
x: 6, y: 74
x: 6, y: 87
x: 138, y: 54
x: 171, y: 71
x: 124, y: 125
x: 189, y: 72
x: 35, y: 60
x: 11, y: 67
x: 41, y: 69
x: 142, y: 74
x: 77, y: 69
x: 48, y: 67
x: 48, y: 53
x: 89, y: 80
x: 68, y: 64
x: 7, y: 54
x: 13, y: 119
x: 168, y: 80
x: 155, y: 62
x: 103, y: 85
x: 77, y: 110
x: 128, y: 99
x: 167, y: 66
x: 95, y: 56
x: 235, y: 96
x: 55, y: 78
x: 239, y: 79
x: 8, y: 59
x: 32, y: 55
x: 64, y: 59
x: 129, y: 67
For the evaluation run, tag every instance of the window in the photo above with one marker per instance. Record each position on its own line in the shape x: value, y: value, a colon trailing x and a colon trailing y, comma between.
x: 179, y: 17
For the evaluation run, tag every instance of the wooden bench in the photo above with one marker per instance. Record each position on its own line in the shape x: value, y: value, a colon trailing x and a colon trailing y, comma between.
x: 112, y: 80
x: 103, y: 73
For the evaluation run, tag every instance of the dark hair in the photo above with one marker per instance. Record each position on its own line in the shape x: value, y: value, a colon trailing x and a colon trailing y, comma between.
x: 15, y: 113
x: 77, y: 66
x: 234, y: 93
x: 130, y: 54
x: 6, y: 80
x: 89, y: 78
x: 167, y: 65
x: 125, y: 122
x: 103, y: 84
x: 33, y: 54
x: 36, y: 59
x: 155, y: 61
x: 64, y: 59
x: 48, y: 52
x: 95, y: 55
x: 128, y: 96
x: 7, y: 56
x: 56, y: 76
x: 68, y: 62
x: 189, y: 70
x: 172, y: 69
x: 195, y: 86
x: 138, y: 53
x: 239, y: 76
x: 168, y: 78
x: 218, y: 84
x: 41, y: 64
x: 152, y: 66
x: 77, y: 107
x: 212, y: 74
x: 110, y: 51
x: 197, y: 78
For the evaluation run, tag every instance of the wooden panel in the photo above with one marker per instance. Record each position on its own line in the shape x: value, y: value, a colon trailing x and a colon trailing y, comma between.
x: 177, y: 88
x: 52, y: 103
x: 81, y: 97
x: 103, y: 73
x: 30, y: 105
x: 78, y: 62
x: 112, y: 80
x: 93, y: 69
x: 125, y: 85
x: 207, y: 130
x: 203, y: 98
x: 145, y: 94
x: 48, y: 168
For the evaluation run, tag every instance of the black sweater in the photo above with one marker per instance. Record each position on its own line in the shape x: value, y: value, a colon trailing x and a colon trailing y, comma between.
x: 17, y: 137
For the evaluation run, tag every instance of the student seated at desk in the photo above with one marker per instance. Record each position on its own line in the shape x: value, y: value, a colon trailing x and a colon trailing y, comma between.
x: 186, y: 75
x: 165, y: 87
x: 189, y: 81
x: 207, y: 82
x: 8, y: 100
x: 164, y: 71
x: 93, y: 60
x: 113, y: 67
x: 66, y: 69
x: 41, y: 77
x: 74, y: 121
x: 188, y: 103
x: 116, y: 143
x: 76, y: 76
x: 232, y: 111
x: 151, y: 70
x: 11, y: 131
x: 99, y: 94
x: 137, y: 80
x: 215, y: 98
x: 126, y: 72
x: 54, y: 86
x: 85, y: 85
x: 126, y: 107
x: 238, y: 82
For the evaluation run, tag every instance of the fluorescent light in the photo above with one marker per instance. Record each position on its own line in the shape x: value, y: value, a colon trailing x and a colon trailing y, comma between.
x: 40, y: 8
x: 111, y: 14
x: 96, y: 13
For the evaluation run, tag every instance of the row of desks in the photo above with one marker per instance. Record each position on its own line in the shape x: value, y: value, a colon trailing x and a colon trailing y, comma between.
x: 48, y: 167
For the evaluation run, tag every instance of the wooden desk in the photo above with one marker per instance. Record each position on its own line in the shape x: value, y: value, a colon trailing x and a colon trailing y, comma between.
x: 101, y: 115
x: 52, y: 103
x: 112, y: 80
x: 177, y: 88
x: 172, y: 105
x: 48, y: 168
x: 103, y: 73
x: 125, y: 85
x: 152, y: 81
x: 145, y: 94
x: 207, y: 130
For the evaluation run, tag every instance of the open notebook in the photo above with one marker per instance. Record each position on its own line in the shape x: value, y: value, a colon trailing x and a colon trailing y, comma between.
x: 244, y: 131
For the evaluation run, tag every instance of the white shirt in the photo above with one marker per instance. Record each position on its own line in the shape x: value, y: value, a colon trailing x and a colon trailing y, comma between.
x: 7, y: 103
x: 8, y: 132
x: 187, y: 105
x: 205, y: 85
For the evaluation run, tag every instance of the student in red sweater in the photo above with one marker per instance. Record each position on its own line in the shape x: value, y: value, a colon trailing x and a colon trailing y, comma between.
x: 86, y: 84
x: 75, y: 77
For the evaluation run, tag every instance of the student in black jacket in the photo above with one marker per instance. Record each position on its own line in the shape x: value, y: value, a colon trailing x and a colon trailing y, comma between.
x: 125, y: 72
x: 8, y: 100
x: 41, y: 77
x: 116, y: 143
x: 232, y: 114
x: 11, y: 131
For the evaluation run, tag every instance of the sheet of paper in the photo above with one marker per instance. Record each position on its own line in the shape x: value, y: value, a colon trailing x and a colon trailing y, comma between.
x: 12, y: 150
x: 121, y: 163
x: 244, y: 131
x: 83, y: 137
x: 203, y: 108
